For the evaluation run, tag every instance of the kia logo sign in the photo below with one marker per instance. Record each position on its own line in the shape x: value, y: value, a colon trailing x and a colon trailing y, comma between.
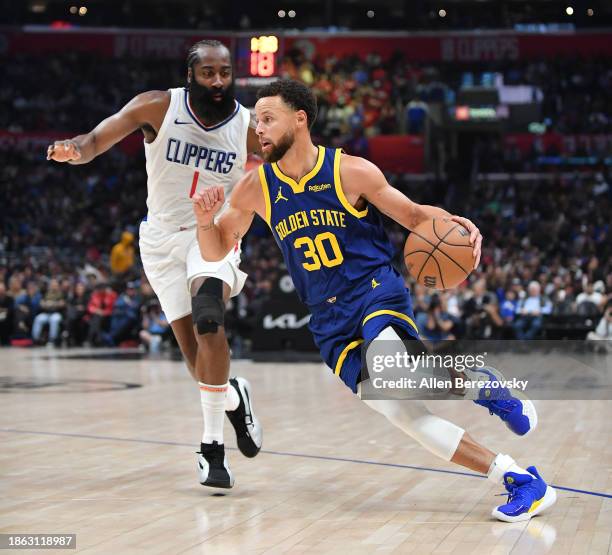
x: 285, y: 322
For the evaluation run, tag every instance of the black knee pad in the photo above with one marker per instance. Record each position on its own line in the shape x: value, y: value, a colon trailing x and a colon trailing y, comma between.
x: 208, y: 307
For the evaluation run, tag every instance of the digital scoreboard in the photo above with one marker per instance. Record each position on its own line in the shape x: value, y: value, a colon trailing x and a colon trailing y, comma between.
x: 257, y: 56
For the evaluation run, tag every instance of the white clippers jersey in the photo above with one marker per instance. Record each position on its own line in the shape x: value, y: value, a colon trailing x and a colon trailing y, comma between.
x: 187, y: 156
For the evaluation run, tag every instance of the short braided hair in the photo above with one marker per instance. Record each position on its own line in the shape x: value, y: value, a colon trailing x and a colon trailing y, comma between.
x: 192, y: 54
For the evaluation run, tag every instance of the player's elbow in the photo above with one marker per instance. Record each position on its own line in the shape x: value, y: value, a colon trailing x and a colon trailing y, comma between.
x: 416, y: 214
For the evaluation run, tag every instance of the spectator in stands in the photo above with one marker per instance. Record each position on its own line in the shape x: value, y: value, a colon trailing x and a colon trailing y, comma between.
x: 481, y: 312
x: 436, y: 324
x: 15, y: 289
x: 591, y: 299
x: 146, y: 293
x: 6, y: 315
x: 76, y: 312
x: 415, y: 115
x: 125, y: 317
x: 603, y: 331
x: 528, y: 322
x: 564, y: 301
x: 509, y: 306
x: 122, y: 256
x: 155, y: 327
x: 27, y: 306
x: 51, y: 313
x: 99, y: 310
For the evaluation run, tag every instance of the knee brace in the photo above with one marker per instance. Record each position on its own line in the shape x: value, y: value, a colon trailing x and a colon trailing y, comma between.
x: 437, y: 435
x: 393, y: 332
x: 208, y: 307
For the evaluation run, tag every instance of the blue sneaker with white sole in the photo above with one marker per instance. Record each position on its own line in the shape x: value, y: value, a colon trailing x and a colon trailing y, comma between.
x: 519, y: 414
x: 528, y: 496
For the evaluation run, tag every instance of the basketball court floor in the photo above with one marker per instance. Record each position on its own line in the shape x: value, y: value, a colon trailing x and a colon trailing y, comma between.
x: 103, y: 447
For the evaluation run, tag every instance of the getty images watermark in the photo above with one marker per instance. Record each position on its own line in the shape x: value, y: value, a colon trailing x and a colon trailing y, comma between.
x: 392, y: 369
x: 426, y: 371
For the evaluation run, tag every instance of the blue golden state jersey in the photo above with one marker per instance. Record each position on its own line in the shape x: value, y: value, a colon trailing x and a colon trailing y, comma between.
x: 328, y: 244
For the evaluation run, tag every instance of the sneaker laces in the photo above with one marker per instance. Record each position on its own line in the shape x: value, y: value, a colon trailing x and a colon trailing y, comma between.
x: 520, y: 492
x: 502, y: 407
x: 213, y: 455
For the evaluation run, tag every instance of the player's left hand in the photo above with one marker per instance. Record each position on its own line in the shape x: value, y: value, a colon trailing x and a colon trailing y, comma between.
x: 475, y: 237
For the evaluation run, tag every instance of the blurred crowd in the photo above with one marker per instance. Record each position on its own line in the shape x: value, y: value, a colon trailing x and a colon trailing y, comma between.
x: 359, y: 99
x: 78, y: 308
x: 546, y: 263
x: 69, y: 267
x: 98, y: 88
x: 373, y: 95
x: 390, y: 96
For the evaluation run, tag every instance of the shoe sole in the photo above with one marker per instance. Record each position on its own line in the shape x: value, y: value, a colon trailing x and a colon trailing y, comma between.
x: 549, y: 499
x: 529, y: 409
x: 225, y: 484
x: 220, y: 485
x: 245, y: 443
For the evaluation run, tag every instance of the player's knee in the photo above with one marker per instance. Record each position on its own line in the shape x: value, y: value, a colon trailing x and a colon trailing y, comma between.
x: 437, y: 435
x: 208, y: 307
x: 405, y: 414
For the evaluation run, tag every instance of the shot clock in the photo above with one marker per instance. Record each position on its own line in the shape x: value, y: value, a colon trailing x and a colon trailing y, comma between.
x: 257, y: 56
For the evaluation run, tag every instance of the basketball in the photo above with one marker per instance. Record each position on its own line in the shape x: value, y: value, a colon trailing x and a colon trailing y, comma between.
x: 438, y: 253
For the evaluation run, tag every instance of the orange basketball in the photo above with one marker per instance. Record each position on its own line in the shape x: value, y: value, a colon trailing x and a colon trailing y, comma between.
x: 438, y: 253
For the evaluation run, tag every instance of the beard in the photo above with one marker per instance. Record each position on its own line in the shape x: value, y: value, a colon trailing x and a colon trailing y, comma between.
x: 277, y: 151
x: 206, y: 107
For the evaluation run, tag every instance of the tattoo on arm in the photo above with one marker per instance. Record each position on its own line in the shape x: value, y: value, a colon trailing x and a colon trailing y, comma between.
x: 207, y: 227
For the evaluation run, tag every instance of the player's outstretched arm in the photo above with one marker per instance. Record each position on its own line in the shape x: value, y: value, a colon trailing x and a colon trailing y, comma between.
x: 147, y: 108
x: 216, y: 239
x: 361, y: 178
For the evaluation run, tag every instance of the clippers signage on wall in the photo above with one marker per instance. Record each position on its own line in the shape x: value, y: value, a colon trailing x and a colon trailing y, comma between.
x: 258, y: 52
x: 454, y: 47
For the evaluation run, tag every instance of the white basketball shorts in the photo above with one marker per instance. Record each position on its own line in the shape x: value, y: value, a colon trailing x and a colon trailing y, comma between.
x: 171, y: 259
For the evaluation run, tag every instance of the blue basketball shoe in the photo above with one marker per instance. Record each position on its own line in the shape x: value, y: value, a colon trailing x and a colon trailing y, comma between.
x: 519, y: 415
x: 528, y: 495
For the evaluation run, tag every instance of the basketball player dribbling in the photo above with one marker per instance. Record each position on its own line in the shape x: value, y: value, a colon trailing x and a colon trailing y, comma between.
x: 322, y: 208
x: 194, y: 137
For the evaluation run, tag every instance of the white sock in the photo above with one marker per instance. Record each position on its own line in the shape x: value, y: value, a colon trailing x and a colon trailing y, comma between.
x: 502, y: 464
x: 213, y: 410
x: 232, y: 399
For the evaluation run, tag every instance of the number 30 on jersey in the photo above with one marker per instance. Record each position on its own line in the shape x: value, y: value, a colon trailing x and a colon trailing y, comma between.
x: 316, y: 252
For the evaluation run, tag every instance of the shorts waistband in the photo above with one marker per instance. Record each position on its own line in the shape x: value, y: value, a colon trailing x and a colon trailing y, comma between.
x: 170, y: 228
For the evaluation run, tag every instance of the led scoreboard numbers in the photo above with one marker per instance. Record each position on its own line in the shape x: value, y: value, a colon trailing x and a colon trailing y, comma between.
x: 257, y: 56
x: 263, y: 56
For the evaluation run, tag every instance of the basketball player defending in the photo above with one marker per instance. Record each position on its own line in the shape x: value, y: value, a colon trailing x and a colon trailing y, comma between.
x: 321, y: 206
x: 194, y: 137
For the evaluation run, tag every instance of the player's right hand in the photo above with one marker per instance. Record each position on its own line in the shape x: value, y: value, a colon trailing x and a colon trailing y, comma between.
x: 63, y: 151
x: 206, y: 203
